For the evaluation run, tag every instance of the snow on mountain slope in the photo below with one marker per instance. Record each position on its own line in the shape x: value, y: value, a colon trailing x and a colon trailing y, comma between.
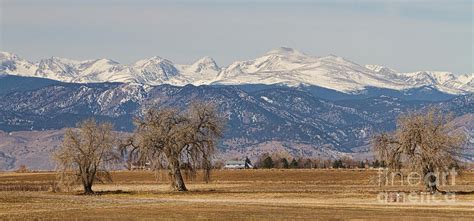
x: 202, y: 71
x: 102, y: 70
x: 57, y: 69
x: 202, y: 66
x: 443, y: 81
x: 12, y: 64
x: 154, y: 70
x: 285, y: 66
x: 288, y: 66
x: 383, y: 70
x: 466, y: 82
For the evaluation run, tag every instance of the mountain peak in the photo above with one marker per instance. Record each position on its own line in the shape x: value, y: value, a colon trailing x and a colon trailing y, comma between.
x: 153, y: 61
x: 206, y: 60
x: 204, y: 64
x: 105, y: 61
x: 155, y: 58
x: 286, y: 51
x: 380, y: 69
x: 7, y: 55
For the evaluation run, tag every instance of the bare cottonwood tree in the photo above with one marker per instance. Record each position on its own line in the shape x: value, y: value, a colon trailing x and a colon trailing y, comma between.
x: 86, y: 153
x: 423, y: 142
x: 173, y: 139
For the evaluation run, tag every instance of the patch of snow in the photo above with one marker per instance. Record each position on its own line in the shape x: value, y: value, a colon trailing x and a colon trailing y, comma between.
x: 267, y: 99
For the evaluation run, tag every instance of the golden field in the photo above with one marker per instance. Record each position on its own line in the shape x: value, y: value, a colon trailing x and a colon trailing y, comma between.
x: 232, y: 194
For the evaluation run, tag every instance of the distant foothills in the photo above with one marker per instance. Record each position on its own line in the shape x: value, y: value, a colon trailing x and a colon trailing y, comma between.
x: 284, y: 102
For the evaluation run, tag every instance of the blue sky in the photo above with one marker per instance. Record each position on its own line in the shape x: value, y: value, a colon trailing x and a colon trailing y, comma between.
x: 404, y: 35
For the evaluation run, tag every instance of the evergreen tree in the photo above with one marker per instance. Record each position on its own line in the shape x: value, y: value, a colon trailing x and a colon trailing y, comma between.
x: 267, y: 163
x: 294, y: 163
x: 338, y: 164
x: 284, y: 163
x: 376, y: 164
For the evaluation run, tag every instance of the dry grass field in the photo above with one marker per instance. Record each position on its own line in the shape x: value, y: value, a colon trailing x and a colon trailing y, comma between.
x: 232, y: 195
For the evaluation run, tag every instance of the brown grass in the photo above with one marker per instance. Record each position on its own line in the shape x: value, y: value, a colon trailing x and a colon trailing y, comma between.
x: 232, y: 194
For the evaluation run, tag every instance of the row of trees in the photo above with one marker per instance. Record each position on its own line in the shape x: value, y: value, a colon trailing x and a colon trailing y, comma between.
x: 277, y: 161
x: 186, y: 140
x: 167, y: 138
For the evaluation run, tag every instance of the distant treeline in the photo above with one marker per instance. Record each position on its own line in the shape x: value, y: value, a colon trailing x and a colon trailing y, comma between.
x: 267, y: 161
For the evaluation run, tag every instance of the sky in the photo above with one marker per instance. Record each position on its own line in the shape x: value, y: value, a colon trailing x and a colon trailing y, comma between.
x: 404, y: 35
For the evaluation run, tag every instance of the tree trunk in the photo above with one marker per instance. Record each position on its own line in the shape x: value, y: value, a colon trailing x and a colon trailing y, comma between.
x: 431, y: 185
x: 88, y: 188
x: 431, y: 182
x: 177, y: 181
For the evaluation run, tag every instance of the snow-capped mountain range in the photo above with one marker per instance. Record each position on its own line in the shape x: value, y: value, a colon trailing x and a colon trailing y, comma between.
x: 284, y: 66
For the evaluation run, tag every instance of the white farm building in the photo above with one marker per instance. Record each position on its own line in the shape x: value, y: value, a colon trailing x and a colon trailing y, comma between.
x: 237, y: 164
